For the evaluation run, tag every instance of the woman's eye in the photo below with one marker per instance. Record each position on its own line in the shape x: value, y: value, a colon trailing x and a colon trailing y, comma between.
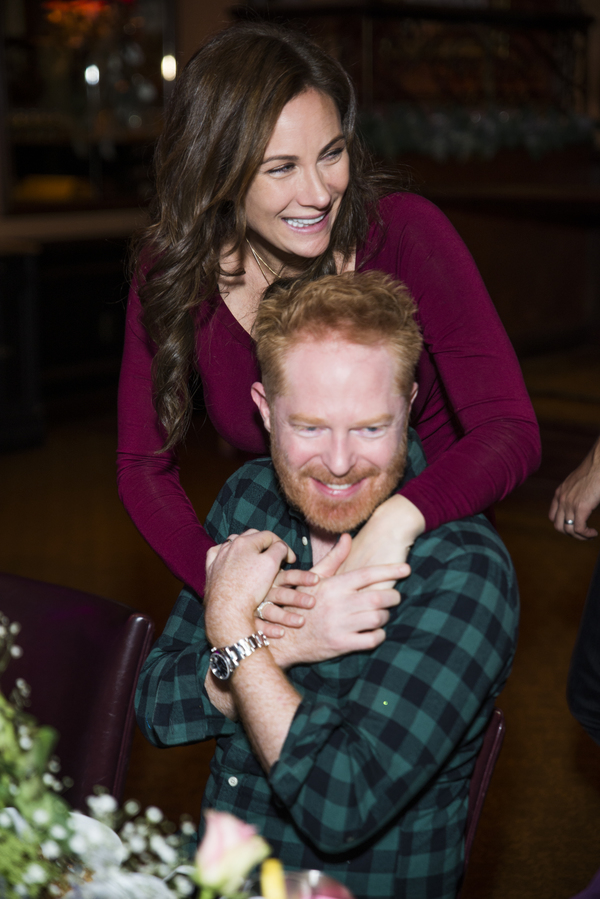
x: 334, y: 154
x: 281, y: 169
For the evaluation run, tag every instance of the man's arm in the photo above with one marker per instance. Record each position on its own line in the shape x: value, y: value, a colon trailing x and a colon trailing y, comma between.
x: 172, y: 706
x: 410, y: 714
x: 349, y: 620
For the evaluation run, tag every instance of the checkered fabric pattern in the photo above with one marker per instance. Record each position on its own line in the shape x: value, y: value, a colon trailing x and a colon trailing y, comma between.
x: 373, y: 778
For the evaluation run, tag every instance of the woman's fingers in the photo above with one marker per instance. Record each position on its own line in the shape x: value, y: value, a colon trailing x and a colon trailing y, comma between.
x: 294, y: 577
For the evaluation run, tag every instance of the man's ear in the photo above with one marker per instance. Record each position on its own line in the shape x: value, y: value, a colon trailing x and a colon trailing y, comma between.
x: 257, y: 392
x: 413, y: 395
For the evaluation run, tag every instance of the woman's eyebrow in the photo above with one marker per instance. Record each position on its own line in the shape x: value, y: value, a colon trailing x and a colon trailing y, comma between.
x: 290, y: 158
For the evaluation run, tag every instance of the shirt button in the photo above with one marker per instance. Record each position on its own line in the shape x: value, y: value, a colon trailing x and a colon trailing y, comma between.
x: 233, y: 781
x: 305, y: 541
x: 349, y: 839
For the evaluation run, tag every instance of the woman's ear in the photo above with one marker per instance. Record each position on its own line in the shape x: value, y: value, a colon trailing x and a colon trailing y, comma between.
x: 257, y: 392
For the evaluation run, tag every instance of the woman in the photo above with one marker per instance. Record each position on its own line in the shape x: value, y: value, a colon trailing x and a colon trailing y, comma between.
x: 259, y: 174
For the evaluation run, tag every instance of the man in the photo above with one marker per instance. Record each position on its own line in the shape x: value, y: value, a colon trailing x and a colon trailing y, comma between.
x: 350, y: 742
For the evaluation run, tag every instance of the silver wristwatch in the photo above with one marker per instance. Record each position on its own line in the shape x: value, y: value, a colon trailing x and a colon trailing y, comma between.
x: 223, y: 662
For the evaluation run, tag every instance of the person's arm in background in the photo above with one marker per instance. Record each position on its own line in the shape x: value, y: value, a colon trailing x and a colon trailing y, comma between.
x: 577, y: 497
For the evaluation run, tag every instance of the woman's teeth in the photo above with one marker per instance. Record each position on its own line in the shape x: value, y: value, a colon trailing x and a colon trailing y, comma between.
x: 305, y: 223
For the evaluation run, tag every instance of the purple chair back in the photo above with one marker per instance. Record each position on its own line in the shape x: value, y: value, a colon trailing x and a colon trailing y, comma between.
x: 482, y: 774
x: 82, y: 655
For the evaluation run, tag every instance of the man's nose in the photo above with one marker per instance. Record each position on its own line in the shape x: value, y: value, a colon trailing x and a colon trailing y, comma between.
x: 314, y: 190
x: 339, y: 456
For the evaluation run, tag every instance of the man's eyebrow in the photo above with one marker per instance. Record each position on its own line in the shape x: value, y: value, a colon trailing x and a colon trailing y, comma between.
x: 287, y: 158
x: 308, y: 421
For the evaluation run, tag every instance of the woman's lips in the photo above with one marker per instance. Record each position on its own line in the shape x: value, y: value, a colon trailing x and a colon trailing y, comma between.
x: 308, y: 224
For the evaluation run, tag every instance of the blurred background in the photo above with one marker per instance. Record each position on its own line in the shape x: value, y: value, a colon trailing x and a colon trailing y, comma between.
x: 493, y: 108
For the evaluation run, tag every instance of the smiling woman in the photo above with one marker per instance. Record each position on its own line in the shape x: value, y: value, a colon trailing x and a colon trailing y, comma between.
x: 260, y: 176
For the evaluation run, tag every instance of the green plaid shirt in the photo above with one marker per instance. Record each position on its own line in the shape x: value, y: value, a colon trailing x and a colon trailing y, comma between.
x: 372, y: 782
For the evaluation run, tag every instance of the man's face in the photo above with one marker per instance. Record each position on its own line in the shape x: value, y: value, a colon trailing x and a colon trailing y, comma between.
x: 338, y: 433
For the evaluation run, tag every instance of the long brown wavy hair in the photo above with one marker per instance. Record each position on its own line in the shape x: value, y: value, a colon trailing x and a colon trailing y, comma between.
x: 219, y: 120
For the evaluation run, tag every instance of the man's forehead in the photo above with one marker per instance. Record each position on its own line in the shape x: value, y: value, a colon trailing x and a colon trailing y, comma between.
x: 333, y: 360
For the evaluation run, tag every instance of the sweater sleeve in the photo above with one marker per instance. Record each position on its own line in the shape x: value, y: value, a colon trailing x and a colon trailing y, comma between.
x: 473, y: 412
x: 148, y: 481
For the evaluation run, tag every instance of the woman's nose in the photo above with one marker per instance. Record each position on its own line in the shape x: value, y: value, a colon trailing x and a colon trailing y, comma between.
x: 314, y: 190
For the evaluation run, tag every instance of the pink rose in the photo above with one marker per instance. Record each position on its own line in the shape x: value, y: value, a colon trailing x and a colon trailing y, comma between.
x: 226, y: 855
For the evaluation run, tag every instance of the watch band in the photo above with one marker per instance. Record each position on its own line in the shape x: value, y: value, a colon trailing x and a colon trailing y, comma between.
x: 224, y: 661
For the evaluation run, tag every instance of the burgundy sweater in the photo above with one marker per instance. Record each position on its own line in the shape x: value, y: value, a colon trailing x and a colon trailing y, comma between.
x: 472, y: 411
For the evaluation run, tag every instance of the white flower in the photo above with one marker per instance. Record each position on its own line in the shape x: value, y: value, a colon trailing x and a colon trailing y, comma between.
x: 183, y: 886
x: 102, y: 805
x: 188, y: 828
x: 122, y: 885
x: 48, y: 779
x: 165, y: 852
x: 77, y: 844
x: 50, y: 849
x: 97, y: 845
x: 34, y: 874
x: 16, y: 652
x: 15, y: 627
x: 16, y: 820
x: 25, y: 743
x: 137, y: 843
x: 2, y: 631
x: 40, y: 817
x: 54, y: 765
x: 132, y: 807
x: 154, y: 815
x: 58, y: 832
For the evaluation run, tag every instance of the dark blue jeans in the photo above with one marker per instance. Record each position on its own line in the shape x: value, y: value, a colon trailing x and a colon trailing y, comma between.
x: 583, y: 685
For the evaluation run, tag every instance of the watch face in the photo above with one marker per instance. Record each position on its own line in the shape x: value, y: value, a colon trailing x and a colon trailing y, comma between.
x: 219, y: 665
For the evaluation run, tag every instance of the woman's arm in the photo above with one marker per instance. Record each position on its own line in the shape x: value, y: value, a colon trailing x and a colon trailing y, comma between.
x: 472, y: 412
x: 469, y: 379
x: 148, y: 483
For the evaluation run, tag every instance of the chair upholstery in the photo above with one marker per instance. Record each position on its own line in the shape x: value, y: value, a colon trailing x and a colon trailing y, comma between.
x: 482, y: 774
x: 82, y: 655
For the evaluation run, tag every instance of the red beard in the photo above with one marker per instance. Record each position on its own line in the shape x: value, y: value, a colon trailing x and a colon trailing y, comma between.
x: 337, y: 515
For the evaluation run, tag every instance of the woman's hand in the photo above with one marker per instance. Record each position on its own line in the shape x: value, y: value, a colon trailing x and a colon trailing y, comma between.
x: 387, y: 537
x: 577, y: 497
x: 281, y: 600
x: 349, y: 613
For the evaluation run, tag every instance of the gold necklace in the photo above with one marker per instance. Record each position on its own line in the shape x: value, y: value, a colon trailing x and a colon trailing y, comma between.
x: 259, y: 259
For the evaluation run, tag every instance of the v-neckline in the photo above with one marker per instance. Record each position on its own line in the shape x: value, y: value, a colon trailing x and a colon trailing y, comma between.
x: 235, y: 326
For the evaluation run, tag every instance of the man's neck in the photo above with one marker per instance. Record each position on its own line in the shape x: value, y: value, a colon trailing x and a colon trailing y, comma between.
x: 321, y: 542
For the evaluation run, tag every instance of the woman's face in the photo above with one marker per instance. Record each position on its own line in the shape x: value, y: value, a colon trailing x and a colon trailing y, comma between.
x: 296, y: 194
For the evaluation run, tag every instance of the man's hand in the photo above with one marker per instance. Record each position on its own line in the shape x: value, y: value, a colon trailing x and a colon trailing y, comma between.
x: 577, y: 497
x: 240, y: 573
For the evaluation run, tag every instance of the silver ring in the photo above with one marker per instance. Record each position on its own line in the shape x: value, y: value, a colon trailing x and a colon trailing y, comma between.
x: 569, y: 521
x: 260, y: 607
